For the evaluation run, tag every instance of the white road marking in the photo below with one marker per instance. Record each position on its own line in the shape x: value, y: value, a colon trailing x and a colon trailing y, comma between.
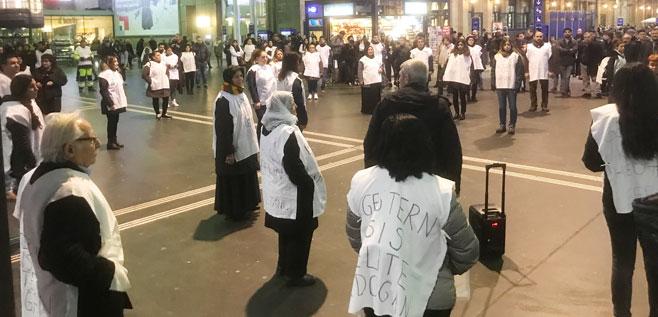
x: 538, y: 178
x: 538, y: 169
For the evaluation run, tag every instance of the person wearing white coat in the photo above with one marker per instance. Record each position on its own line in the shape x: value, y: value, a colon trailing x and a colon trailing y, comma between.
x: 458, y: 77
x: 506, y: 76
x: 312, y: 66
x: 189, y: 68
x: 476, y: 73
x: 370, y: 78
x: 171, y: 60
x: 113, y: 99
x: 237, y: 54
x: 538, y: 54
x: 294, y: 191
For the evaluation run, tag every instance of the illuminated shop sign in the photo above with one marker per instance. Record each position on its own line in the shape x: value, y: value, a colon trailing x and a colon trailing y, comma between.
x: 338, y: 9
x: 314, y: 10
x: 415, y: 8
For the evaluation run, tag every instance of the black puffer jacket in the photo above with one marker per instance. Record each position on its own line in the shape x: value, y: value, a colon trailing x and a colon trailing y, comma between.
x: 435, y: 113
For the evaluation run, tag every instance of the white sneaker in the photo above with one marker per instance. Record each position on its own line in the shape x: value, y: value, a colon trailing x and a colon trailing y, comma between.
x: 174, y: 103
x: 310, y: 96
x: 315, y: 96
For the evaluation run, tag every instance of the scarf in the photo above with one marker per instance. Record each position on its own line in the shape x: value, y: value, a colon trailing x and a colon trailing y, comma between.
x: 232, y: 89
x: 279, y: 111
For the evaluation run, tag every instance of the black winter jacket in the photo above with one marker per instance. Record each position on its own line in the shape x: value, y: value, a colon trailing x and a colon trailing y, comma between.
x: 436, y: 115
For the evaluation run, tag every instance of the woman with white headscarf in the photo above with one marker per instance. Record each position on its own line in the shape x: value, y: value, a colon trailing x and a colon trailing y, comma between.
x: 294, y: 192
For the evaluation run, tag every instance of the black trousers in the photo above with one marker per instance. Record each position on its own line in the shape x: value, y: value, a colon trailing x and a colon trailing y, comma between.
x: 294, y: 250
x: 189, y: 82
x: 313, y: 85
x: 459, y: 92
x: 259, y: 114
x: 50, y: 105
x: 428, y: 313
x: 544, y: 93
x: 387, y: 70
x: 156, y: 105
x: 396, y: 73
x: 623, y: 238
x: 476, y: 77
x: 112, y: 126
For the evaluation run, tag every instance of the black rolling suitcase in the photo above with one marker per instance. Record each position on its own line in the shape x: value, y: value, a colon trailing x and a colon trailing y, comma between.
x: 489, y: 221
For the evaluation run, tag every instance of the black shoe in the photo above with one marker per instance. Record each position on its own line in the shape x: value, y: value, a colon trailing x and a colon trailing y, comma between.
x: 462, y: 116
x: 511, y: 131
x: 501, y: 129
x: 118, y: 144
x: 113, y: 146
x: 304, y: 281
x: 456, y: 116
x: 545, y: 110
x: 166, y: 116
x: 587, y: 96
x: 598, y: 96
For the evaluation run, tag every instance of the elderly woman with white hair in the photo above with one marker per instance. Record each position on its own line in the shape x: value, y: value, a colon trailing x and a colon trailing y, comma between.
x: 294, y: 192
x: 71, y: 252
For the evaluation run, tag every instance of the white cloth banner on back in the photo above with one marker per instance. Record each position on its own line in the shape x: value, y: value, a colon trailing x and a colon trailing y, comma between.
x: 400, y: 221
x: 629, y: 178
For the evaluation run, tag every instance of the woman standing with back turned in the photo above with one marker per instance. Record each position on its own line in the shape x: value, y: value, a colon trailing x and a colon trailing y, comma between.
x: 623, y: 142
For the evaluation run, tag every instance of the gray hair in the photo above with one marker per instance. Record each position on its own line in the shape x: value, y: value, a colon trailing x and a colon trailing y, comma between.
x: 61, y: 129
x: 416, y: 72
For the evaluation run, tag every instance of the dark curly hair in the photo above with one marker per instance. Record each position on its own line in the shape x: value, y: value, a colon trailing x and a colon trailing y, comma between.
x: 229, y: 72
x: 636, y: 91
x: 405, y: 148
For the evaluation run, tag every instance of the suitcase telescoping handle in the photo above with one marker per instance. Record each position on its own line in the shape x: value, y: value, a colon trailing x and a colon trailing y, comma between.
x: 503, y: 166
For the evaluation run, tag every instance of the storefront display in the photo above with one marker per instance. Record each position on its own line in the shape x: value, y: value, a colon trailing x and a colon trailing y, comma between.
x: 146, y: 17
x: 401, y: 26
x: 357, y: 27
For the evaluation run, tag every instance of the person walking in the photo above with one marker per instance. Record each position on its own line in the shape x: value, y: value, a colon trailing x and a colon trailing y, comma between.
x: 616, y: 61
x: 568, y: 48
x: 171, y: 60
x: 235, y: 149
x: 261, y: 84
x: 404, y: 177
x: 50, y: 80
x: 370, y: 73
x: 288, y: 80
x: 189, y: 69
x: 155, y: 74
x: 401, y: 54
x: 294, y: 191
x: 414, y: 98
x: 624, y: 137
x: 507, y: 73
x: 312, y: 67
x: 458, y: 77
x: 72, y: 260
x: 538, y: 53
x: 113, y: 100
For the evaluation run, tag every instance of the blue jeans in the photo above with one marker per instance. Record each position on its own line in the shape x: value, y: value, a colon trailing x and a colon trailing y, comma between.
x: 507, y: 97
x: 201, y: 73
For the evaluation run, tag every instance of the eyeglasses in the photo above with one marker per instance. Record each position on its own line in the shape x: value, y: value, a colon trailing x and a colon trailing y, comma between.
x: 95, y: 141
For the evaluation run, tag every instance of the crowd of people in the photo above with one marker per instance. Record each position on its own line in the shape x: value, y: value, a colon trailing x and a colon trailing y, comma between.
x: 404, y: 211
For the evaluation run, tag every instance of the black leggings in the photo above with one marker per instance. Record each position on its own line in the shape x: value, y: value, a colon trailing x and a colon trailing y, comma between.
x: 313, y: 85
x: 189, y: 82
x: 459, y: 92
x: 156, y: 105
x: 294, y: 250
x: 112, y: 126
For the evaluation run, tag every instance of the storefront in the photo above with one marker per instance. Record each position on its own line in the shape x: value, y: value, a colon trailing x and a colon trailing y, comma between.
x: 396, y: 19
x: 241, y: 17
